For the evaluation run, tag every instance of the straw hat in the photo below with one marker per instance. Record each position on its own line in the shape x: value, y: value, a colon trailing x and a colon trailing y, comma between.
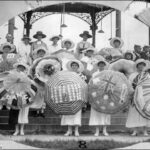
x: 118, y: 39
x: 85, y: 33
x: 7, y: 44
x: 25, y: 37
x: 38, y: 49
x: 21, y: 63
x: 90, y: 49
x: 140, y: 61
x: 39, y: 33
x: 81, y: 66
x: 55, y: 36
x: 130, y: 52
x: 67, y: 40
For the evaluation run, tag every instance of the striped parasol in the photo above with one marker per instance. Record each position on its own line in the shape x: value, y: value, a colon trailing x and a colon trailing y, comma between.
x: 66, y: 93
x: 109, y: 92
x: 142, y: 96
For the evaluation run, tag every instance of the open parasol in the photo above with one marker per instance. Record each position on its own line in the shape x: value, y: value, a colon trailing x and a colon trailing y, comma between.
x: 66, y: 93
x: 109, y: 92
x: 37, y: 69
x: 142, y: 95
x: 17, y: 83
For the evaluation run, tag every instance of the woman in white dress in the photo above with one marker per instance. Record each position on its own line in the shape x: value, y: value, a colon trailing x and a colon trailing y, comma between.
x: 19, y: 105
x: 96, y: 118
x: 134, y: 119
x: 54, y: 47
x: 73, y: 120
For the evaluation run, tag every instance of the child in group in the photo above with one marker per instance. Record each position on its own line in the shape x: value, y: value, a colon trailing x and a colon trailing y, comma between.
x: 96, y: 118
x: 129, y: 55
x: 134, y: 119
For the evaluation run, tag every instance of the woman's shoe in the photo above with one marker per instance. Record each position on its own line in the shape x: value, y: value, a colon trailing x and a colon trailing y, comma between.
x: 76, y: 133
x: 96, y: 134
x: 16, y: 133
x: 68, y: 134
x: 21, y: 133
x: 145, y: 134
x: 134, y: 134
x: 105, y: 134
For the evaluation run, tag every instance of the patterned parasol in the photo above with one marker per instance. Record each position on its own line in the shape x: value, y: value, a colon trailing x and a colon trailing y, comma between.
x: 66, y: 93
x: 141, y: 96
x: 37, y: 69
x: 17, y: 82
x: 109, y: 92
x: 124, y: 66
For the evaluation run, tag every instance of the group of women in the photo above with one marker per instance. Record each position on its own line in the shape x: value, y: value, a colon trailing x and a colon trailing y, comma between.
x: 85, y: 60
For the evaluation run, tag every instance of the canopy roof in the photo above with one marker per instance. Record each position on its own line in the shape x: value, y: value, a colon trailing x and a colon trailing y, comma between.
x: 10, y: 9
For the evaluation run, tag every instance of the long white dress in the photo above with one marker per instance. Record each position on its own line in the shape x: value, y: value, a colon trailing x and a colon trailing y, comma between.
x: 97, y: 118
x: 134, y: 119
x: 71, y: 120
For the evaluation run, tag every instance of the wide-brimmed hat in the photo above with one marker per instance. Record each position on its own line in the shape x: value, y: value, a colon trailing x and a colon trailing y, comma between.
x: 90, y: 49
x: 140, y: 61
x: 81, y: 66
x: 38, y: 49
x: 54, y: 36
x: 39, y: 33
x: 26, y: 37
x: 67, y: 40
x: 12, y: 47
x: 21, y: 63
x: 85, y: 33
x: 118, y: 39
x: 130, y: 52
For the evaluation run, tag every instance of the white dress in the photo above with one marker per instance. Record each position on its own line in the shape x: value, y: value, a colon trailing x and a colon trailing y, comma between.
x: 24, y: 52
x: 53, y: 48
x: 97, y: 118
x: 134, y: 119
x: 71, y: 120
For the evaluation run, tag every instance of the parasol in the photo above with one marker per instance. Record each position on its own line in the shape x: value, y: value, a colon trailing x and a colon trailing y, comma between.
x: 124, y: 66
x: 109, y: 92
x: 17, y: 83
x: 37, y: 69
x: 66, y: 93
x: 64, y: 54
x: 141, y: 96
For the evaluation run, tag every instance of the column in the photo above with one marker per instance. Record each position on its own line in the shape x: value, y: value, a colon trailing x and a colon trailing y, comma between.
x: 118, y: 23
x: 93, y: 27
x: 11, y: 24
x: 27, y: 24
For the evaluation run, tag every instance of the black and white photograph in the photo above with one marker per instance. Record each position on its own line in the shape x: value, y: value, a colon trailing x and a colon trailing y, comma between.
x: 75, y: 74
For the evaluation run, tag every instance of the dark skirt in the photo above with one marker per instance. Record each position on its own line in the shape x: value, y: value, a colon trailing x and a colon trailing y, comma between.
x: 13, y: 115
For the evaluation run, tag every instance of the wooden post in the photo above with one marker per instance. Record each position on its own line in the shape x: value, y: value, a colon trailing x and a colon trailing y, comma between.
x: 11, y: 24
x: 118, y: 23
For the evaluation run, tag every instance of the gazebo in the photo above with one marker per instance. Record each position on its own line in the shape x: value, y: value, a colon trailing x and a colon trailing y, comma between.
x: 92, y: 14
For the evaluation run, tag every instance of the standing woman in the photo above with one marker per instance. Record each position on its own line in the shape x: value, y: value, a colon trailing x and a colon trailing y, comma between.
x: 84, y: 44
x: 38, y: 43
x: 73, y: 120
x: 134, y: 119
x: 96, y: 118
x: 54, y: 47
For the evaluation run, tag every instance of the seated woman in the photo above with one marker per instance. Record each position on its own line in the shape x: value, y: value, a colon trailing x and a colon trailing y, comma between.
x: 129, y: 55
x: 116, y: 52
x: 7, y: 59
x: 68, y: 45
x: 39, y: 53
